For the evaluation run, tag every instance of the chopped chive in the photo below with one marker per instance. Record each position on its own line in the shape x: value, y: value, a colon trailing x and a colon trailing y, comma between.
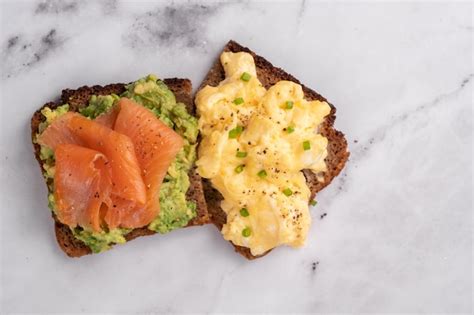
x: 306, y: 145
x: 241, y: 154
x: 239, y: 168
x: 234, y: 133
x: 244, y: 212
x: 262, y: 174
x: 245, y: 76
x: 238, y: 101
x: 313, y: 202
x: 290, y: 129
x: 287, y: 192
x: 289, y: 105
x: 246, y: 232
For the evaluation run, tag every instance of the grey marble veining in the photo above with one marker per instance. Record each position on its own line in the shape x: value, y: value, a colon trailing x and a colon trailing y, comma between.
x: 177, y: 26
x: 391, y: 234
x: 29, y: 52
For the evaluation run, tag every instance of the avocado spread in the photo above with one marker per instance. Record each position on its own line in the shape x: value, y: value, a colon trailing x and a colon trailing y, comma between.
x: 175, y: 210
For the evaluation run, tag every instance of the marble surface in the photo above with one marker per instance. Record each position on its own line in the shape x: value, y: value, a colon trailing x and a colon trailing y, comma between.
x: 393, y: 233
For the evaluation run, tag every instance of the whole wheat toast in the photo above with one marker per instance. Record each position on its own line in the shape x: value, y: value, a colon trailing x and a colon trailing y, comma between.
x: 337, y: 144
x: 79, y: 98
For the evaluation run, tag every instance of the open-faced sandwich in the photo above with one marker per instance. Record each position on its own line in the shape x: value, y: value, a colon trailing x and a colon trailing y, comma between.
x: 268, y: 146
x: 119, y: 162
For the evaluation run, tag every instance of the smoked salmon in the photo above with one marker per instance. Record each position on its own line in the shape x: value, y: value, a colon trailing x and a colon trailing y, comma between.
x: 120, y: 151
x: 76, y: 205
x: 59, y: 133
x: 156, y: 146
x: 108, y: 119
x: 109, y: 170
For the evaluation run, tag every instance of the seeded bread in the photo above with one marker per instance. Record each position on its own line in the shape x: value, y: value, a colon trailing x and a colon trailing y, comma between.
x: 78, y: 98
x: 269, y: 75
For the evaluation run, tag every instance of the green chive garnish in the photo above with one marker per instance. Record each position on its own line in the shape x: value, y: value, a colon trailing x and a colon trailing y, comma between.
x: 241, y: 154
x: 238, y: 101
x: 244, y: 212
x: 262, y: 174
x: 239, y: 168
x: 290, y: 129
x: 313, y: 202
x: 306, y: 145
x: 289, y: 104
x: 234, y: 133
x: 246, y: 232
x: 245, y: 76
x: 287, y: 192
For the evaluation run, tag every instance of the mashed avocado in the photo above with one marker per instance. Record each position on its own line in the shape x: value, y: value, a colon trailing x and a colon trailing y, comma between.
x: 51, y: 114
x: 175, y: 210
x: 100, y: 241
x: 46, y: 154
x: 99, y: 104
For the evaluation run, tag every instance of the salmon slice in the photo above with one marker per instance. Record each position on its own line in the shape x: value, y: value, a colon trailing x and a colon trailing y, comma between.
x: 119, y: 149
x: 127, y: 192
x: 82, y: 185
x: 108, y: 119
x: 126, y: 213
x: 73, y: 128
x: 58, y: 132
x: 156, y: 146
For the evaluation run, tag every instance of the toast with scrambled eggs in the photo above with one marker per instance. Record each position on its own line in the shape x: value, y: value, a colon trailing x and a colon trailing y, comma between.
x: 241, y: 81
x: 80, y: 98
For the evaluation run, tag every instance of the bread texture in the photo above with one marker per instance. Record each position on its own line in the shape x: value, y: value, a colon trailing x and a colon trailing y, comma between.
x: 78, y: 98
x: 270, y: 75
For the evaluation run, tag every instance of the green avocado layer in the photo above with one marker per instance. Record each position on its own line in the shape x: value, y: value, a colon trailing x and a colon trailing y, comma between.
x: 175, y: 210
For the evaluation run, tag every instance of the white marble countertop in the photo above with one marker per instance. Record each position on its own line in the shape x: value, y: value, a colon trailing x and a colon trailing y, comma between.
x: 397, y: 236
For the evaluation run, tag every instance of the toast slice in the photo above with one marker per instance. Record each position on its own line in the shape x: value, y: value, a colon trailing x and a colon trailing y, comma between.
x: 79, y: 98
x: 269, y: 75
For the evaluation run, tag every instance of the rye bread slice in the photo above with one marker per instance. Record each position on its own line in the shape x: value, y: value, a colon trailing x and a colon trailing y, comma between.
x: 269, y: 75
x: 78, y: 98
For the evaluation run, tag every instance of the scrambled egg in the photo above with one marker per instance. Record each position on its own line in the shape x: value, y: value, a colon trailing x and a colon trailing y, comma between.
x: 255, y: 144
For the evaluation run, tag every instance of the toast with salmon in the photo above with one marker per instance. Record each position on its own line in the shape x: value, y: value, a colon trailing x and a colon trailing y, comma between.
x: 78, y: 99
x: 268, y: 76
